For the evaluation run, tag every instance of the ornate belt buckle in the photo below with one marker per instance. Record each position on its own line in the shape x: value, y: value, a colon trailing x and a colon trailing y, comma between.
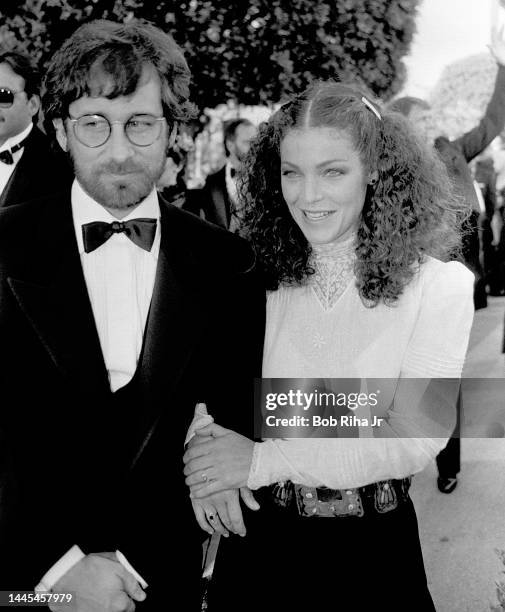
x: 326, y: 502
x: 282, y: 493
x: 385, y: 498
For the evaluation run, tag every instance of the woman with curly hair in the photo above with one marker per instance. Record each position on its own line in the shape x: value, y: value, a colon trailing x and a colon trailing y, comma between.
x: 354, y: 224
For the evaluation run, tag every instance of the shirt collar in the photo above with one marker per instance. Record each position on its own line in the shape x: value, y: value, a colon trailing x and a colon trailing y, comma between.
x: 14, y: 140
x: 228, y: 169
x: 86, y: 210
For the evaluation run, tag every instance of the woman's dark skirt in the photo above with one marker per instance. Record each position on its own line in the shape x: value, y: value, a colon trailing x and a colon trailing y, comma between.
x: 290, y: 563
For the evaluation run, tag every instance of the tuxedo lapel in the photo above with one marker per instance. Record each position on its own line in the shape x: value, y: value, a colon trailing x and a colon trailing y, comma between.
x: 20, y: 186
x: 40, y: 172
x: 220, y: 198
x: 14, y: 184
x: 175, y: 321
x: 53, y: 296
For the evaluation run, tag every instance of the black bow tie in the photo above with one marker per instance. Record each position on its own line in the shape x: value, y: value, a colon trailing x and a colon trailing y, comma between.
x: 140, y: 231
x: 6, y: 156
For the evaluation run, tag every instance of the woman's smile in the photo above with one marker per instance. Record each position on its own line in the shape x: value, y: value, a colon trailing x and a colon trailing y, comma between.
x: 316, y: 216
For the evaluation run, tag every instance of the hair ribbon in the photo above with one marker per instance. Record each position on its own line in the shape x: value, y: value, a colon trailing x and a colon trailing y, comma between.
x: 371, y: 107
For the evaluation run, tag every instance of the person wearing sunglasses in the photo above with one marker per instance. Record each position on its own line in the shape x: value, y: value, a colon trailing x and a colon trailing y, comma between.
x: 118, y: 311
x: 29, y: 166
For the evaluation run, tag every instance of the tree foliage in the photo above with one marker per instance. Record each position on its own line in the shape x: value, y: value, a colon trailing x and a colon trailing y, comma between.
x: 252, y: 51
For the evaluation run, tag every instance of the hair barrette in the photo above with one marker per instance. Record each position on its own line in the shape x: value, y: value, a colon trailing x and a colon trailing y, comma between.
x: 371, y: 107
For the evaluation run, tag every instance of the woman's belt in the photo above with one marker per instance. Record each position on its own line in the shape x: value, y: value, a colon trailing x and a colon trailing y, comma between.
x: 378, y: 497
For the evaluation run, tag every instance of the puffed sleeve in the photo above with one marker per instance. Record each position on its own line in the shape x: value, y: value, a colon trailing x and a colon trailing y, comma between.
x: 439, y: 341
x: 411, y: 439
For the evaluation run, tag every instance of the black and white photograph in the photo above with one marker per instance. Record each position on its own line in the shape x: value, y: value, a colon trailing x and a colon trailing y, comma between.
x: 252, y: 278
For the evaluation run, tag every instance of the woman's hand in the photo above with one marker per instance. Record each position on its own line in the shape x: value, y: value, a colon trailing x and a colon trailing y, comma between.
x: 218, y: 464
x: 213, y: 516
x: 221, y: 512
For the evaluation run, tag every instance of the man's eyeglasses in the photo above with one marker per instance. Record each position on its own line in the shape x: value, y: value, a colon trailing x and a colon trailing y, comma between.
x: 7, y: 97
x: 95, y: 130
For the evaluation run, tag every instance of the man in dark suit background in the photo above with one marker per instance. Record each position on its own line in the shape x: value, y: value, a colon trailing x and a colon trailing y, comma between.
x: 485, y: 177
x: 118, y: 313
x: 29, y: 167
x: 217, y: 201
x: 456, y: 155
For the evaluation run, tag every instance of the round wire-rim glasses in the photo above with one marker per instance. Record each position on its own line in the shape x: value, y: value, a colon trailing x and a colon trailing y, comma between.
x: 95, y: 130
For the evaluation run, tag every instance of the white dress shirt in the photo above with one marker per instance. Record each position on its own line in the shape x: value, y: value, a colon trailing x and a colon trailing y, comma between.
x: 6, y: 170
x: 231, y: 185
x: 236, y: 206
x: 120, y: 280
x: 120, y: 277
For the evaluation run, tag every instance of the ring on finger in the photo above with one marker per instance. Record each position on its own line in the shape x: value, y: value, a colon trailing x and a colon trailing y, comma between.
x: 204, y: 477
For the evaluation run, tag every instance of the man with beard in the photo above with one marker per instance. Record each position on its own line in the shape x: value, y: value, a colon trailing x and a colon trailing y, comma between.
x: 218, y: 200
x: 114, y: 311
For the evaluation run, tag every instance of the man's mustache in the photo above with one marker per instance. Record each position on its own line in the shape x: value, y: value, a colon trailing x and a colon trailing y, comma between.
x: 120, y: 168
x: 112, y: 167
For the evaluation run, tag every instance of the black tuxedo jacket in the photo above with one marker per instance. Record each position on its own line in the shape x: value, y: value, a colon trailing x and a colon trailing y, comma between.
x: 81, y: 464
x: 212, y: 200
x: 456, y: 154
x: 485, y: 176
x: 40, y: 172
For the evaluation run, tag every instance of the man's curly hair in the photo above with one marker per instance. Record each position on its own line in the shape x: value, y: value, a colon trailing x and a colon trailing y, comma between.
x: 411, y: 212
x: 104, y: 58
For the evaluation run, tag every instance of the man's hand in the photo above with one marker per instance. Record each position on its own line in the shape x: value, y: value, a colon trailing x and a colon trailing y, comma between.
x: 217, y: 464
x: 99, y: 583
x: 497, y: 46
x: 221, y: 512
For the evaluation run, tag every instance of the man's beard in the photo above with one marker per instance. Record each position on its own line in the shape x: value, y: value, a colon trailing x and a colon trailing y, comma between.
x: 118, y: 193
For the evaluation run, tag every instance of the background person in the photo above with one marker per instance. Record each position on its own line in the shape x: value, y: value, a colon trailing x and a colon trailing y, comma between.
x: 218, y: 200
x: 486, y: 177
x: 29, y: 166
x: 456, y: 154
x: 171, y: 183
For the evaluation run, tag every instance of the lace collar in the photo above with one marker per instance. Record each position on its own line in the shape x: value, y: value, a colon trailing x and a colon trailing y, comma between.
x: 334, y: 269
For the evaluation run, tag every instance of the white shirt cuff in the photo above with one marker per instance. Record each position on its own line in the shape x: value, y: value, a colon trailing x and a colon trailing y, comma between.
x: 129, y: 568
x: 69, y: 559
x: 61, y: 567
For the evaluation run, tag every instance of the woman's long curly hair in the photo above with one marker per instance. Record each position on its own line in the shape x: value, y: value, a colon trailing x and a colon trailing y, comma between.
x: 411, y: 212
